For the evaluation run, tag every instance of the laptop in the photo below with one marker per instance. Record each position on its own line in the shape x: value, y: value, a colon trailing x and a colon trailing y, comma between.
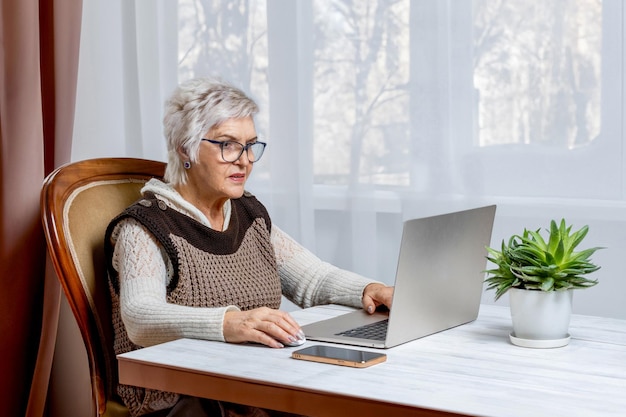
x: 438, y: 283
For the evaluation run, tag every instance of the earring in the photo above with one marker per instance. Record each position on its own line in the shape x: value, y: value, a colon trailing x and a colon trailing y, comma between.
x: 187, y: 164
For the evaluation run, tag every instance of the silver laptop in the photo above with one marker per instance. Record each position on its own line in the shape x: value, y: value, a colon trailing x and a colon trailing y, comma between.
x: 438, y: 284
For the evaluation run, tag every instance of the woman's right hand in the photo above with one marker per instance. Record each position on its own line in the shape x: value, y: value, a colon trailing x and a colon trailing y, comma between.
x: 261, y: 325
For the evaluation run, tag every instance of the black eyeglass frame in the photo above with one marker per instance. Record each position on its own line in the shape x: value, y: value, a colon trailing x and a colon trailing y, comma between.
x: 244, y: 148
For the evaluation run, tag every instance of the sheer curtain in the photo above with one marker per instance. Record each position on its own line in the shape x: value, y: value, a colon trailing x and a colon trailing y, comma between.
x: 379, y: 111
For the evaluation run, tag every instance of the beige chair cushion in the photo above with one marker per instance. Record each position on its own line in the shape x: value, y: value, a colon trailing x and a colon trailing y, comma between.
x: 87, y: 214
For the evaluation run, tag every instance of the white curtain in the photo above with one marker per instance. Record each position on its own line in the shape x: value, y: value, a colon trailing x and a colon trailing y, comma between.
x: 382, y: 110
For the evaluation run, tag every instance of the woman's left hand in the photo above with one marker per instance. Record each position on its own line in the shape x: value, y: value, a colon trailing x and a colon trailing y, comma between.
x: 375, y: 295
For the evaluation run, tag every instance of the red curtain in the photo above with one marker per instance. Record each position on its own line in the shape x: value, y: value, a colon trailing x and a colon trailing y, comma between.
x: 38, y: 71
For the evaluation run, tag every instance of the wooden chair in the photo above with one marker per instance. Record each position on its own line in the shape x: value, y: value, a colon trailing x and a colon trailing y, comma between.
x: 77, y: 201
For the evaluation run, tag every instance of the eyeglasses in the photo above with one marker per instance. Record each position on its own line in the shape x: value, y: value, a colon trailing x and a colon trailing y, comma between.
x: 232, y: 151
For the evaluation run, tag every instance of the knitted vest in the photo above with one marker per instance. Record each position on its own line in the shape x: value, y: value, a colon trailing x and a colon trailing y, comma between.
x: 210, y: 269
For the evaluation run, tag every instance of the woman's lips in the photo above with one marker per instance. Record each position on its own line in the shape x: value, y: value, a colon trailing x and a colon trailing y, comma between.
x: 238, y: 177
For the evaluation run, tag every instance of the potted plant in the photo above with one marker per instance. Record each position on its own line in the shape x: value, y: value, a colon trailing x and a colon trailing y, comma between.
x: 540, y: 276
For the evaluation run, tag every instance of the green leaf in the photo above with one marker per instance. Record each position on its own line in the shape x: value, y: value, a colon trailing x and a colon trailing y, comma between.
x: 547, y: 285
x: 559, y: 252
x: 555, y: 236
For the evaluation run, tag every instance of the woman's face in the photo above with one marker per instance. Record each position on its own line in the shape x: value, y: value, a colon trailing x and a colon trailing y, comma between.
x: 213, y: 179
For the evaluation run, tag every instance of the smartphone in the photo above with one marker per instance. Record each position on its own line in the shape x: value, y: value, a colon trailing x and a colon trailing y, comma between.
x: 339, y: 356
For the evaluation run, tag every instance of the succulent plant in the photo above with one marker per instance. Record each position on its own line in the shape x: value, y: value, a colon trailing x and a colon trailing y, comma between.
x: 530, y: 262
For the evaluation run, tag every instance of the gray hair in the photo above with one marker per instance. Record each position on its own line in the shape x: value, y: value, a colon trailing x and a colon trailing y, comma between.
x: 193, y: 109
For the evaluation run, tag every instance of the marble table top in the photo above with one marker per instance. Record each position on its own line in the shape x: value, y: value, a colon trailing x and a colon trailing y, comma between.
x: 468, y: 370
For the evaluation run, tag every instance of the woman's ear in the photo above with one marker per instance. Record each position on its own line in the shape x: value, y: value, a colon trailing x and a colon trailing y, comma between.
x: 182, y: 153
x: 184, y: 157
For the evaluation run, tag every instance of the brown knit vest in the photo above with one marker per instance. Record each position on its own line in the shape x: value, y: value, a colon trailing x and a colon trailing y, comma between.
x: 211, y: 269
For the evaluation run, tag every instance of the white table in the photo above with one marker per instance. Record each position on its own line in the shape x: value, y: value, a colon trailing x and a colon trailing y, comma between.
x: 469, y: 370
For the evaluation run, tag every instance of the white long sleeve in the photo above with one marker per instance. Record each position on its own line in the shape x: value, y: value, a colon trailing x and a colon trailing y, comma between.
x: 308, y: 281
x: 143, y: 277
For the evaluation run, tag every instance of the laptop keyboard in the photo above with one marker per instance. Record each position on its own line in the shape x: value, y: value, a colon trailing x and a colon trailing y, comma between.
x: 373, y: 331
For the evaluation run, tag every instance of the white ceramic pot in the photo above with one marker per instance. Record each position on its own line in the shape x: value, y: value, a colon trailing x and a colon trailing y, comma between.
x: 540, y: 316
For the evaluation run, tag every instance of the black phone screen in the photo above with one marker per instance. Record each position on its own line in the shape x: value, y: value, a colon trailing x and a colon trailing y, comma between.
x: 349, y: 355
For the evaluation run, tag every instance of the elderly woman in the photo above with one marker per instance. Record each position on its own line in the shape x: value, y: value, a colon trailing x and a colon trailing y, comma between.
x: 199, y: 257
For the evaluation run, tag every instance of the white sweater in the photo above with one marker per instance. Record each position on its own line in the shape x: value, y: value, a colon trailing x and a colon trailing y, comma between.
x: 145, y: 271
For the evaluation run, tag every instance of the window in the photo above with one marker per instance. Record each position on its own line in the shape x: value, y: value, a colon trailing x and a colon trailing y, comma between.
x: 400, y: 89
x: 537, y: 72
x: 381, y: 110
